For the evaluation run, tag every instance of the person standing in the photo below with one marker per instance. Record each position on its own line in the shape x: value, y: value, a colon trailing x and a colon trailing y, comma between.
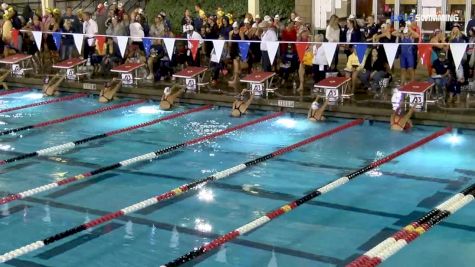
x: 268, y: 35
x: 89, y: 30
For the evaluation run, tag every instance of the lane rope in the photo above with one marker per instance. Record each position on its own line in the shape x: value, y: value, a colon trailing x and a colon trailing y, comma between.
x: 8, y: 92
x: 54, y: 150
x: 216, y: 243
x: 55, y: 100
x: 409, y: 233
x: 144, y: 157
x: 170, y: 194
x: 73, y: 117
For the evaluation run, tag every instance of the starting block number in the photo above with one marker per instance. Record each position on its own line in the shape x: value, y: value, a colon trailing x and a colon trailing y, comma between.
x: 332, y: 95
x: 70, y: 74
x: 127, y: 79
x: 417, y: 100
x: 17, y: 70
x: 257, y: 89
x: 191, y: 84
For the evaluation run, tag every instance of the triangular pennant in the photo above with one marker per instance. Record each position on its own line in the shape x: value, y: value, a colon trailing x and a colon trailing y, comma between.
x: 15, y: 34
x: 147, y: 45
x: 272, y: 48
x: 329, y: 49
x: 195, y: 44
x: 390, y: 49
x: 244, y: 49
x: 170, y: 46
x: 38, y: 36
x: 301, y: 48
x: 101, y: 40
x: 361, y: 51
x: 122, y: 41
x: 57, y: 39
x: 218, y: 48
x: 78, y: 41
x: 458, y: 50
x: 425, y: 52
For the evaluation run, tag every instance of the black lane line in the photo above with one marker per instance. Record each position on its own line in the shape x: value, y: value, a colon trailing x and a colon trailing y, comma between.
x: 24, y: 263
x: 14, y: 209
x: 81, y: 185
x: 18, y: 166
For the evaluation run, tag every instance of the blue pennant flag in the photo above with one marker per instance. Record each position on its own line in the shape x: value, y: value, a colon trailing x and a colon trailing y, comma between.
x: 147, y: 44
x: 361, y: 51
x: 57, y: 39
x: 244, y: 49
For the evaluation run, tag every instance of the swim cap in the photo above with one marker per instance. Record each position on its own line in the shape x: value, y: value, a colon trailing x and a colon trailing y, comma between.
x: 167, y: 91
x: 315, y: 105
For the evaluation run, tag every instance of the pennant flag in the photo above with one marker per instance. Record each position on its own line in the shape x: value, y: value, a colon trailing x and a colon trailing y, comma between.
x: 38, y: 36
x: 458, y: 51
x: 78, y: 40
x: 122, y: 41
x: 194, y: 47
x: 218, y: 48
x: 390, y: 50
x: 301, y: 48
x: 15, y: 34
x: 57, y: 39
x: 330, y: 49
x: 100, y: 41
x: 425, y: 53
x: 170, y: 46
x: 244, y: 49
x: 361, y: 51
x: 147, y: 44
x: 272, y: 48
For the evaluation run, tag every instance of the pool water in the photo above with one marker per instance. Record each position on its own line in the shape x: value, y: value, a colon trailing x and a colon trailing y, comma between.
x: 329, y: 231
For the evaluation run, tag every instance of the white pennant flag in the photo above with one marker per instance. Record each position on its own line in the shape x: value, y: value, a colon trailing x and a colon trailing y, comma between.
x: 78, y: 40
x: 38, y: 38
x: 390, y: 50
x: 458, y: 50
x: 218, y: 48
x: 330, y: 49
x: 169, y: 45
x: 272, y: 48
x: 122, y: 42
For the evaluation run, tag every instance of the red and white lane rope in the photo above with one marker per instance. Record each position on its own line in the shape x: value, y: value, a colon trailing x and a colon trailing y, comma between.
x: 216, y: 243
x: 14, y: 91
x: 144, y: 157
x: 402, y: 238
x: 55, y: 100
x: 169, y: 195
x: 73, y: 117
x: 54, y: 150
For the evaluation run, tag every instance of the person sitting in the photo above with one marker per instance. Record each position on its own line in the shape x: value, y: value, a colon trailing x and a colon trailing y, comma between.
x: 315, y: 113
x: 110, y: 89
x: 441, y: 74
x: 373, y: 72
x: 169, y: 96
x: 352, y: 67
x: 401, y: 121
x: 112, y: 57
x: 240, y: 105
x: 4, y: 73
x: 51, y: 85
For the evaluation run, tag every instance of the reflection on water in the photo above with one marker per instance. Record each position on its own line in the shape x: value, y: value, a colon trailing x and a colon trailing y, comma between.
x: 221, y: 256
x: 153, y: 233
x: 273, y: 260
x: 376, y: 172
x: 5, y: 209
x: 203, y: 226
x: 174, y: 240
x: 129, y: 231
x: 47, y: 217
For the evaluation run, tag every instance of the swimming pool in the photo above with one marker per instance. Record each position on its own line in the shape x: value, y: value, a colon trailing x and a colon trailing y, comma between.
x: 329, y: 231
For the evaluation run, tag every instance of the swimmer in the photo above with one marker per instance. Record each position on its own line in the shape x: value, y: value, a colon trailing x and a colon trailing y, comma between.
x: 315, y: 113
x: 110, y: 89
x: 240, y: 105
x: 169, y: 96
x: 51, y: 85
x: 400, y: 121
x: 3, y: 75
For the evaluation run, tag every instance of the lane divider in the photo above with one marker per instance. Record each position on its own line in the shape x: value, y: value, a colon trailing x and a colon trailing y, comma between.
x: 409, y: 233
x: 216, y: 243
x: 55, y: 100
x: 67, y: 146
x: 73, y: 117
x: 8, y: 92
x: 144, y: 157
x: 170, y: 194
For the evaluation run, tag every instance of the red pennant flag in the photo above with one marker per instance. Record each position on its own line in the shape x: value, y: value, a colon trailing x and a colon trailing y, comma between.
x: 301, y: 48
x: 15, y: 34
x: 194, y: 48
x: 425, y: 52
x: 101, y: 40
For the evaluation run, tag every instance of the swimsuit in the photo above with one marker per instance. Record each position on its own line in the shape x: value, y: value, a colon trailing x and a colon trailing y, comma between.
x: 238, y: 108
x: 405, y: 127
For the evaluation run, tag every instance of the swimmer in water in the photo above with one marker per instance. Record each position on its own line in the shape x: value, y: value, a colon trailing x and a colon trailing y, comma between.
x: 110, y: 89
x: 3, y: 75
x: 400, y: 121
x: 240, y: 105
x: 51, y: 85
x: 169, y: 96
x: 315, y: 113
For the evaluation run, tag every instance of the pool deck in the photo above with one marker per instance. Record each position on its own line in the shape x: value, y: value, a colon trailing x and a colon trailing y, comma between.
x: 362, y: 107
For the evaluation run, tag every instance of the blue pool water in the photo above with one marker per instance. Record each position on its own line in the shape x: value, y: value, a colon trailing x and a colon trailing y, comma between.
x: 329, y: 231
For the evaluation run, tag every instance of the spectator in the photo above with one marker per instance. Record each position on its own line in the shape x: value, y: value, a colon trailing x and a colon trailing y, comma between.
x: 67, y: 40
x: 407, y: 36
x: 373, y: 72
x: 126, y: 23
x: 235, y: 35
x: 192, y: 34
x: 112, y: 56
x: 225, y: 28
x: 89, y: 29
x: 371, y: 29
x: 319, y: 63
x: 52, y: 27
x: 268, y: 35
x: 120, y: 11
x: 332, y: 34
x: 7, y: 33
x: 158, y: 28
x: 440, y: 68
x: 217, y: 64
x: 438, y: 42
x: 471, y: 52
x: 166, y: 19
x: 187, y: 18
x: 116, y: 28
x: 201, y: 15
x: 72, y: 18
x: 137, y: 32
x: 352, y: 34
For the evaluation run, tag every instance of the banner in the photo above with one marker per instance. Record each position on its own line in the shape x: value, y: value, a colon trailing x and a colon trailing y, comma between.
x: 57, y: 39
x: 361, y: 51
x: 218, y: 48
x: 301, y: 48
x: 195, y: 44
x: 170, y: 46
x: 390, y: 50
x: 78, y: 41
x: 147, y: 45
x: 122, y: 41
x: 100, y: 42
x: 272, y: 48
x: 244, y: 49
x: 38, y: 36
x: 458, y: 51
x: 330, y: 49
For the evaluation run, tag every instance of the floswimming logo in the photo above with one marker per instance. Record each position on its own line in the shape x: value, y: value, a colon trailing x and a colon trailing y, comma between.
x: 426, y: 18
